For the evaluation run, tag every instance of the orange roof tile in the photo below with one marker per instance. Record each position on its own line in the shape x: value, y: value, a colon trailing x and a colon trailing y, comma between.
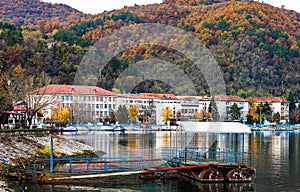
x: 161, y: 95
x: 230, y: 98
x: 74, y: 90
x: 268, y: 100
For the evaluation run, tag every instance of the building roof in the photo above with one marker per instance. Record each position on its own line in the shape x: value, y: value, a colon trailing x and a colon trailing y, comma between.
x: 229, y: 98
x: 141, y: 97
x: 151, y: 96
x: 268, y: 100
x: 161, y: 95
x: 74, y: 90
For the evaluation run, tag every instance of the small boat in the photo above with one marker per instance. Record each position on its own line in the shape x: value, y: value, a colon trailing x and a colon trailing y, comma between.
x: 106, y: 128
x: 119, y: 128
x: 112, y: 128
x: 69, y: 129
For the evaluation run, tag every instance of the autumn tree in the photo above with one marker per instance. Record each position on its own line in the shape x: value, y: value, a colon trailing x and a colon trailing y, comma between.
x: 166, y: 114
x: 30, y: 92
x: 61, y: 114
x: 111, y: 117
x: 133, y: 113
x: 202, y: 115
x: 5, y: 98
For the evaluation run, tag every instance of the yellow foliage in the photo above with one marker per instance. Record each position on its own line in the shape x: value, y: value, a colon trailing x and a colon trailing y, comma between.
x: 45, y: 152
x: 133, y: 113
x: 116, y: 90
x: 166, y: 114
x: 61, y: 114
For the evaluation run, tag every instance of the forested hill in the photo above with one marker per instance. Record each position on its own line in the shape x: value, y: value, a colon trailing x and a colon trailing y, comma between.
x: 36, y: 12
x: 257, y: 46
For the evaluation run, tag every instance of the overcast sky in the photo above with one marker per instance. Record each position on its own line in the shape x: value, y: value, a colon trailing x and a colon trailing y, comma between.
x: 98, y: 6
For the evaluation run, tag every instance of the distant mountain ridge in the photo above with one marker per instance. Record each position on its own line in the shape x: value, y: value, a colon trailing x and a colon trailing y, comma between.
x: 256, y: 45
x: 35, y: 12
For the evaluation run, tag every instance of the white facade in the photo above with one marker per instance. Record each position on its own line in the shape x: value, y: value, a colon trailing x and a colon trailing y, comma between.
x: 224, y: 104
x: 277, y: 105
x: 85, y: 103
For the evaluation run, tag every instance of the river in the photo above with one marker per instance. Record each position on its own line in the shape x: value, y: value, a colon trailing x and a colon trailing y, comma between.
x: 276, y: 156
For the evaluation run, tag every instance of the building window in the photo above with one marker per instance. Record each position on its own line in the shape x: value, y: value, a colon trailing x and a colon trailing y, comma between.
x: 97, y: 106
x: 62, y: 97
x: 67, y: 98
x: 101, y: 98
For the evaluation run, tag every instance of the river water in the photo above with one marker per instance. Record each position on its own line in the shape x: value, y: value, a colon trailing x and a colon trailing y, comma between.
x: 276, y: 156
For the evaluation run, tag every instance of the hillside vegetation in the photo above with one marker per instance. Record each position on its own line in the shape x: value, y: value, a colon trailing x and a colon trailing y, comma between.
x: 257, y: 46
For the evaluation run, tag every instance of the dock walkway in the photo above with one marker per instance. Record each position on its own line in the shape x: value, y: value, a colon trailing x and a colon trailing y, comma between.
x: 198, y: 164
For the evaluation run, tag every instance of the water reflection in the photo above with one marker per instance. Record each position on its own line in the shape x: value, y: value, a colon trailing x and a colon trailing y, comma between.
x: 179, y: 185
x: 149, y: 145
x: 276, y: 158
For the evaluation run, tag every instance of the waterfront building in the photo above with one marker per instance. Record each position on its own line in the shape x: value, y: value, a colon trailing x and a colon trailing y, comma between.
x: 225, y: 102
x: 85, y: 103
x: 192, y: 104
x: 90, y: 103
x: 277, y: 104
x: 151, y: 102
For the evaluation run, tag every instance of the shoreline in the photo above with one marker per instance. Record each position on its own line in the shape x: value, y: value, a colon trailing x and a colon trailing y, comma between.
x: 19, y: 151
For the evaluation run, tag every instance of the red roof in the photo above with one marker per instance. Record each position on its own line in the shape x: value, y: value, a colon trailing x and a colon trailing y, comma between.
x: 230, y: 98
x: 141, y: 97
x: 74, y: 90
x: 19, y: 108
x: 268, y: 100
x: 160, y: 95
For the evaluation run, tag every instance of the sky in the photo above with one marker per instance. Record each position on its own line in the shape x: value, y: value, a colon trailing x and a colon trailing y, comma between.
x: 98, y: 6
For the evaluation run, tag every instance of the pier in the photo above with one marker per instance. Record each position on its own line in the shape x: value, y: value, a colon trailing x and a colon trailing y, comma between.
x: 204, y: 165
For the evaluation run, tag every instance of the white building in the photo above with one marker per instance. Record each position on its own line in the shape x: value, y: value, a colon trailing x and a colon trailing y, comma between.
x: 85, y: 103
x: 151, y: 101
x: 192, y: 104
x: 277, y: 104
x: 225, y: 102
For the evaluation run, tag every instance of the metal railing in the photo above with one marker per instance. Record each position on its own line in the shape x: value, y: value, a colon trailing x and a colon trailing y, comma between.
x: 193, y: 155
x: 97, y: 165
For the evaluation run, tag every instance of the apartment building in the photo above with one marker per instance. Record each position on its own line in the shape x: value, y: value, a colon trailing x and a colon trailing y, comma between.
x: 85, y: 103
x: 89, y: 103
x: 277, y: 104
x: 225, y: 102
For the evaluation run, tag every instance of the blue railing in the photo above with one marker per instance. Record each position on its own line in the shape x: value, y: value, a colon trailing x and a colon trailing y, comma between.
x: 97, y: 165
x: 4, y: 162
x: 193, y: 155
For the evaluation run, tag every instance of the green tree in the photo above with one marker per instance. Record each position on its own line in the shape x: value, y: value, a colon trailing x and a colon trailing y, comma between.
x: 297, y: 115
x: 122, y: 114
x: 276, y: 117
x: 213, y: 110
x: 266, y: 111
x: 292, y: 107
x: 235, y: 113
